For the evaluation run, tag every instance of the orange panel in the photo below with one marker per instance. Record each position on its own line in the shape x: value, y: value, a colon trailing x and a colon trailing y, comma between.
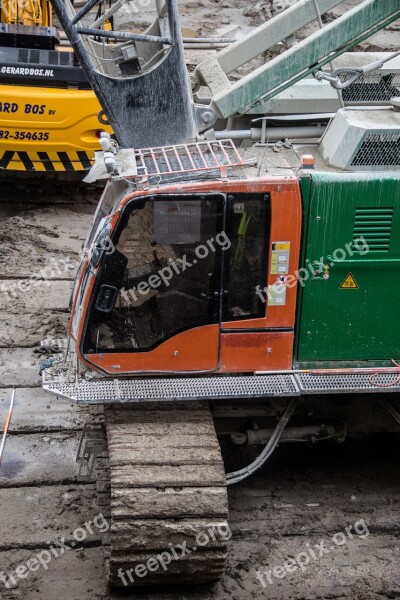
x: 249, y: 352
x: 76, y: 291
x: 286, y: 226
x: 193, y: 350
x: 286, y: 222
x: 196, y: 350
x: 286, y: 211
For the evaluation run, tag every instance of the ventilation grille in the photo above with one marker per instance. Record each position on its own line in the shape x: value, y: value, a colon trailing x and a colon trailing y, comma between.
x: 375, y: 226
x: 379, y: 150
x: 373, y: 88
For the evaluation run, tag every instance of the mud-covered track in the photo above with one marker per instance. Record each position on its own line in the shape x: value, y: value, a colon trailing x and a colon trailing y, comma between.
x: 168, y: 490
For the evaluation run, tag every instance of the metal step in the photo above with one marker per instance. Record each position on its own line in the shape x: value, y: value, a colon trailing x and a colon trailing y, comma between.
x: 310, y: 383
x: 243, y: 387
x: 171, y: 389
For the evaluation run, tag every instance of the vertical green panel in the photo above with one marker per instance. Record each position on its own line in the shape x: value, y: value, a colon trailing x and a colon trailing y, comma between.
x: 351, y: 314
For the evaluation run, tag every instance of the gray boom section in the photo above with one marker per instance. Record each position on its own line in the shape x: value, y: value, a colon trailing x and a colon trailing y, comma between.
x: 151, y: 106
x: 263, y: 38
x: 295, y: 63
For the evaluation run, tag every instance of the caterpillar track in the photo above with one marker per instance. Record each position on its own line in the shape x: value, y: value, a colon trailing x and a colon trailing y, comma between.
x: 164, y: 489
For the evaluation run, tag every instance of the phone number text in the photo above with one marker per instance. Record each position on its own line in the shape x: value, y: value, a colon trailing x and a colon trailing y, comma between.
x: 41, y: 136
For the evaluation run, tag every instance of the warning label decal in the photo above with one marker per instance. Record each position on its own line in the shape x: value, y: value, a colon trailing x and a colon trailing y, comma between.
x: 280, y: 258
x: 349, y: 283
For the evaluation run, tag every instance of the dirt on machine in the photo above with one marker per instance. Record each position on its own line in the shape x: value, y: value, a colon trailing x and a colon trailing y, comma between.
x: 231, y: 287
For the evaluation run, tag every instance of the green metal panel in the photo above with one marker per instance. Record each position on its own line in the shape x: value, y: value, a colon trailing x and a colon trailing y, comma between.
x: 349, y: 305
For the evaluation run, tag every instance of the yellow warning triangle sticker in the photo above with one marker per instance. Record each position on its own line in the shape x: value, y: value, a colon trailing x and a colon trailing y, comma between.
x: 349, y: 283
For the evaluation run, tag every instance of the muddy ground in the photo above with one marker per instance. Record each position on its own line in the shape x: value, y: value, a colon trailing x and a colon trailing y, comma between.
x: 301, y: 502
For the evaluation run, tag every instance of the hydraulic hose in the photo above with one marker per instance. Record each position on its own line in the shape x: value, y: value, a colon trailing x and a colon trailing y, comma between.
x: 241, y: 474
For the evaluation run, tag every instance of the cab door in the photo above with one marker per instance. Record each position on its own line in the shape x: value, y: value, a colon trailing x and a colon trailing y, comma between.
x: 156, y: 301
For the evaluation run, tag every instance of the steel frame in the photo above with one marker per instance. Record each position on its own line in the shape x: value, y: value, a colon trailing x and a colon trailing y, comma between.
x: 295, y: 63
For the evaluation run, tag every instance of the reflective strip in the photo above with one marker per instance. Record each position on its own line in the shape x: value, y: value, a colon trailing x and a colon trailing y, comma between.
x: 67, y: 164
x: 26, y: 161
x: 45, y: 161
x: 44, y: 157
x: 83, y: 157
x: 5, y: 159
x: 58, y: 164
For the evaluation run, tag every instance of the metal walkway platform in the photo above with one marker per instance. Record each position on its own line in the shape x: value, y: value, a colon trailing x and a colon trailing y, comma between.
x: 310, y: 383
x: 220, y: 388
x: 188, y: 388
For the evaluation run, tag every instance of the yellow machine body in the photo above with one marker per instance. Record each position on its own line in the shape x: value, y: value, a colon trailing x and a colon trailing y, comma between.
x: 26, y: 12
x: 48, y: 129
x: 48, y: 113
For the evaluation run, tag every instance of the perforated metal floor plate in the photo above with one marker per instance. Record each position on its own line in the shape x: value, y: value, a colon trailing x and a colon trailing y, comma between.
x: 188, y: 388
x: 340, y: 384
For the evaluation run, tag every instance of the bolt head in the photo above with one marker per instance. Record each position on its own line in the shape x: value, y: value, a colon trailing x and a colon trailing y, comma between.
x: 207, y: 116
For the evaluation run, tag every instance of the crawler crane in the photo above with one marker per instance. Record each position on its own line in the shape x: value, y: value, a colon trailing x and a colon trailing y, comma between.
x: 240, y: 275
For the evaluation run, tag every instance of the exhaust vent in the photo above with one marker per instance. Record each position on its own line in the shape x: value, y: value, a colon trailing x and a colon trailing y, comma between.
x: 375, y: 226
x: 363, y: 140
